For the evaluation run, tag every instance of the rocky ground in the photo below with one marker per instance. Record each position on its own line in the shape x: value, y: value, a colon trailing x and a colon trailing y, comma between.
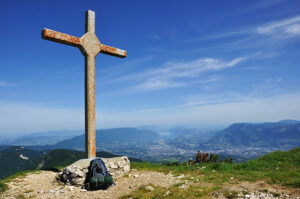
x: 261, y: 190
x: 42, y: 184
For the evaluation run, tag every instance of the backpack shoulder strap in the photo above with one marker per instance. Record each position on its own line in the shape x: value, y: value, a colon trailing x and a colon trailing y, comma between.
x: 101, y: 164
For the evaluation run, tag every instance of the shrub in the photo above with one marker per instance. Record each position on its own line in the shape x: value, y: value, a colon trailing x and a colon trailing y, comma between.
x: 206, y: 157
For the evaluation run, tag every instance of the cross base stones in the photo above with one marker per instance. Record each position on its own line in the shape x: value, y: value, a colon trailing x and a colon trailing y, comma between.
x: 75, y: 174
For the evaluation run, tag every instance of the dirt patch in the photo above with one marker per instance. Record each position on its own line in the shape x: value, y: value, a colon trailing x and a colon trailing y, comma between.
x: 260, y: 189
x: 44, y: 185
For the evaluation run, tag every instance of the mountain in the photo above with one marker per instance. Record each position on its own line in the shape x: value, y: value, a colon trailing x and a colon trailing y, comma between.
x: 16, y: 159
x: 289, y: 122
x: 4, y: 147
x: 41, y: 138
x: 116, y: 138
x: 286, y: 132
x: 242, y: 141
x: 124, y: 141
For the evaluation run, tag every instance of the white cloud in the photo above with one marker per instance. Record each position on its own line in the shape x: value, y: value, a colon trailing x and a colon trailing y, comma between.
x: 156, y: 84
x: 282, y: 28
x: 252, y: 37
x: 293, y: 29
x: 177, y: 74
x: 213, y: 111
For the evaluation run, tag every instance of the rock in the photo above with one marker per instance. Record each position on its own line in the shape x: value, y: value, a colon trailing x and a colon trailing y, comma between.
x: 126, y: 168
x: 64, y: 177
x: 135, y: 175
x: 83, y: 190
x: 167, y: 193
x: 181, y: 176
x: 113, y: 166
x: 183, y: 186
x: 71, y: 188
x: 149, y: 188
x: 75, y: 173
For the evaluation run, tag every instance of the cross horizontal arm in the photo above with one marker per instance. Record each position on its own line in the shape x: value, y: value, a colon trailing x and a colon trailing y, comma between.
x: 60, y: 37
x: 113, y: 51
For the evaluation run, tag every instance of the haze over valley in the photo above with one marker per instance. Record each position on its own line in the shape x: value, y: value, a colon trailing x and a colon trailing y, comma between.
x: 240, y: 141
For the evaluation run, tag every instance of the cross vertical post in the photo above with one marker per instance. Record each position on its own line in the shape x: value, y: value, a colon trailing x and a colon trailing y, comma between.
x: 90, y: 103
x: 90, y: 47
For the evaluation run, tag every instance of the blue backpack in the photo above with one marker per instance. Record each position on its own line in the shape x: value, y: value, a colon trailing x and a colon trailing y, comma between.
x: 98, y: 177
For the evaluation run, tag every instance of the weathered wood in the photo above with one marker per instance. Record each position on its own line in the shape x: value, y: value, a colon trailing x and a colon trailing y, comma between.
x: 90, y: 47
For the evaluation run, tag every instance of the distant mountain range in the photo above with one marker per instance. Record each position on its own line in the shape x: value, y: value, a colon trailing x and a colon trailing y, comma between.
x: 41, y: 138
x: 285, y: 132
x: 240, y: 140
x: 116, y: 136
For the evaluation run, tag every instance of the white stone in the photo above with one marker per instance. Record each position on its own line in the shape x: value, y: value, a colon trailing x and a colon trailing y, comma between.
x: 23, y: 157
x: 149, y: 188
x: 126, y: 168
x: 167, y: 193
x: 181, y: 176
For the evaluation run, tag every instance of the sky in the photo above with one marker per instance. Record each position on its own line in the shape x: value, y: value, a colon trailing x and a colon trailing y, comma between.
x: 188, y: 63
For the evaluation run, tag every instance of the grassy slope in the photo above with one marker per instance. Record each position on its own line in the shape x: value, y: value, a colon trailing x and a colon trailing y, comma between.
x: 11, y: 162
x: 276, y: 168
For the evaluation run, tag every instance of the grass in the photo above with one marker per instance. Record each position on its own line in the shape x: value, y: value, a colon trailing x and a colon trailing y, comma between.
x: 276, y: 168
x: 173, y: 192
x: 230, y: 195
x: 21, y: 196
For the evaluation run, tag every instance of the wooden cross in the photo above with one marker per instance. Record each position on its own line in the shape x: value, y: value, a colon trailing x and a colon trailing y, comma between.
x: 90, y: 47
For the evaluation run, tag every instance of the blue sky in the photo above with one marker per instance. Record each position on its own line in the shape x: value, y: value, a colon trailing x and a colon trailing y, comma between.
x: 189, y: 62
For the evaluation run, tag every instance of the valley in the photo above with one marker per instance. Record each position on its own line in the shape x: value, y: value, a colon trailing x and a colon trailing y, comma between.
x: 240, y: 141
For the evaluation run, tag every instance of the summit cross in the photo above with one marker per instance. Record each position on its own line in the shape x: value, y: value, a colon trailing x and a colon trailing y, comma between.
x: 90, y: 47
